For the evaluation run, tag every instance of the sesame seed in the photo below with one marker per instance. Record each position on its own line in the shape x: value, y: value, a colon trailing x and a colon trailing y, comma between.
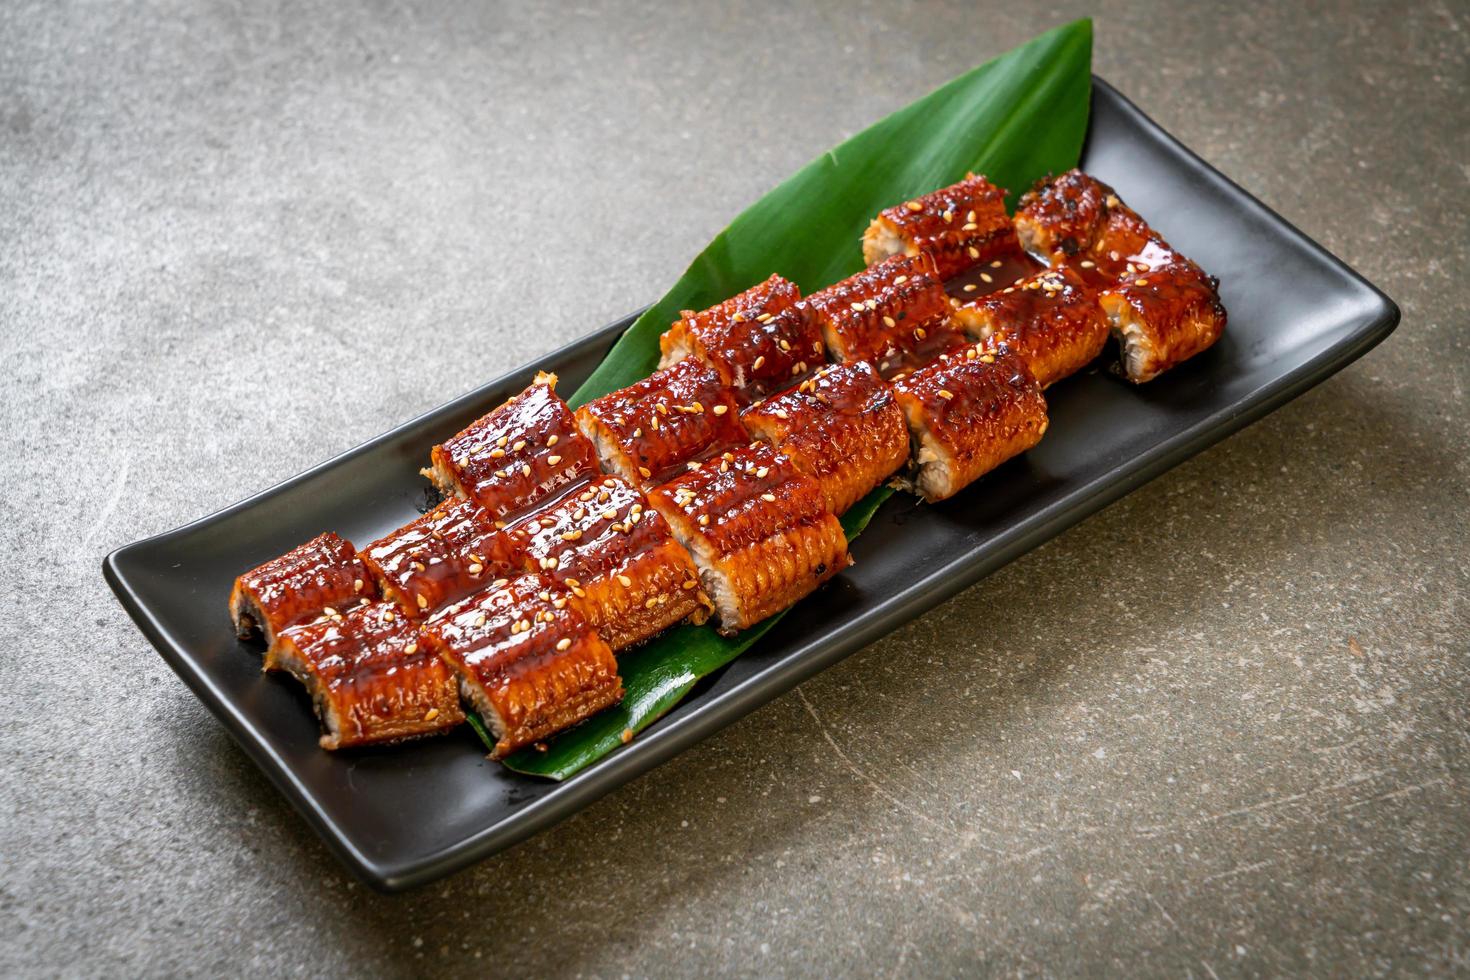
x: 553, y: 460
x: 580, y: 593
x: 985, y: 276
x: 431, y: 714
x: 571, y: 535
x: 519, y: 445
x: 500, y: 583
x: 502, y: 441
x: 625, y: 581
x: 650, y: 603
x: 1140, y: 282
x: 525, y: 469
x: 970, y: 216
x: 890, y: 322
x: 704, y: 520
x: 973, y: 252
x: 856, y: 307
x: 996, y: 264
x: 645, y: 472
x: 763, y: 471
x: 497, y: 453
x: 914, y: 206
x: 357, y: 585
x: 637, y: 433
x: 919, y: 333
x: 329, y: 611
x: 422, y: 602
x: 948, y: 216
x: 1087, y: 263
x: 720, y: 409
x: 945, y: 394
x: 627, y: 735
x: 388, y: 616
x: 661, y: 408
x: 988, y: 358
x: 900, y: 280
x: 412, y: 648
x: 608, y: 515
x: 480, y: 620
x: 551, y: 440
x: 564, y: 643
x: 971, y: 287
x: 765, y: 318
x: 691, y: 584
x: 971, y: 226
x: 738, y: 318
x: 769, y: 498
x: 573, y: 582
x: 758, y: 362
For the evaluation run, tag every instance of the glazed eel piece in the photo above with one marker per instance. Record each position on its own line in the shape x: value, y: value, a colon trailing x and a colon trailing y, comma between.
x: 757, y: 340
x: 649, y: 430
x: 526, y: 657
x: 1051, y: 320
x: 441, y: 557
x: 842, y: 427
x: 956, y: 226
x: 615, y: 553
x: 517, y: 455
x: 322, y: 574
x: 758, y: 530
x: 893, y: 314
x: 370, y: 677
x: 1161, y: 307
x: 968, y: 411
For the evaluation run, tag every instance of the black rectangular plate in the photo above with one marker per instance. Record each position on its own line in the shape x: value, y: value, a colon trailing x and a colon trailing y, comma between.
x: 404, y: 815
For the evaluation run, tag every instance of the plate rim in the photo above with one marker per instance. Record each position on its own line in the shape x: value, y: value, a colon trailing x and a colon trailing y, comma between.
x: 1379, y: 317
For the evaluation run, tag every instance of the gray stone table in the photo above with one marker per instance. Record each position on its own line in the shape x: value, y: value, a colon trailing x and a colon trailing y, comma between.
x: 1238, y: 746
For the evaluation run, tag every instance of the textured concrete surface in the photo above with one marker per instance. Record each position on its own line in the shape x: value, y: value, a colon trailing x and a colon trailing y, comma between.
x: 1236, y: 747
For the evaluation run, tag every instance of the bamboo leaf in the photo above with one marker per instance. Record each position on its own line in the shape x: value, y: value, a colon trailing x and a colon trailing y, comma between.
x: 1014, y: 119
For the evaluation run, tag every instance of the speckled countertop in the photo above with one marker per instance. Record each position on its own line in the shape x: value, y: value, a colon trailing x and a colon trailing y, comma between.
x: 1239, y: 747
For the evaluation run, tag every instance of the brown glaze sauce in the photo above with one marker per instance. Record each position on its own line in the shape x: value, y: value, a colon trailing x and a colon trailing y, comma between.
x: 675, y: 415
x: 519, y: 454
x: 450, y: 552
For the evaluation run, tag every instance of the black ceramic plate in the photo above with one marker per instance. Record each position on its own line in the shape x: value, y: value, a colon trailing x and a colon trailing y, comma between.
x: 404, y: 815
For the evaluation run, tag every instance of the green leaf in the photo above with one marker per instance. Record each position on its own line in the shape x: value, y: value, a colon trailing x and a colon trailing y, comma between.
x: 1014, y: 119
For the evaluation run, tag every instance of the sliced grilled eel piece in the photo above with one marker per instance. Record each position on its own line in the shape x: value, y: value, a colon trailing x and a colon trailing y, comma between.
x: 893, y: 314
x: 957, y: 226
x: 647, y: 431
x: 1075, y: 217
x: 758, y: 530
x: 295, y: 588
x: 1164, y: 312
x: 370, y: 677
x: 616, y: 553
x: 443, y: 556
x: 968, y: 412
x: 1052, y: 320
x: 516, y: 456
x: 842, y: 427
x: 757, y: 341
x: 526, y: 659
